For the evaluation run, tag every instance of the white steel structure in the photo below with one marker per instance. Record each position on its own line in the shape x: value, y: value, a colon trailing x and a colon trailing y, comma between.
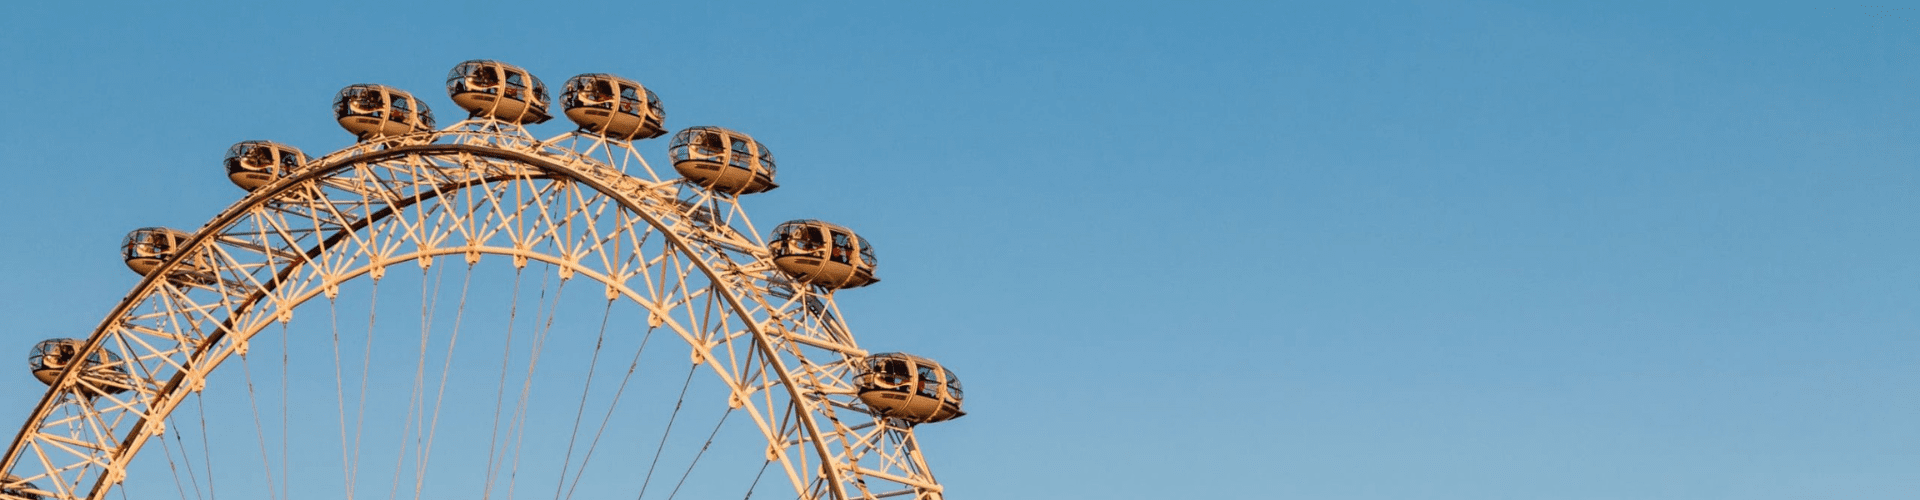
x: 580, y: 208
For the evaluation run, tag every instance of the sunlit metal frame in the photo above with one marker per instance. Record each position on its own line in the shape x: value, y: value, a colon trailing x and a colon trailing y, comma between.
x: 482, y: 187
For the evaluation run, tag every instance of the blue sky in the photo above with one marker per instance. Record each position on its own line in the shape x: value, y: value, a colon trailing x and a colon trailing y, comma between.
x: 1621, y: 250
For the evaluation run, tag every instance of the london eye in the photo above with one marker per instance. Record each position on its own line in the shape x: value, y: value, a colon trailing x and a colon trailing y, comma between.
x: 474, y: 311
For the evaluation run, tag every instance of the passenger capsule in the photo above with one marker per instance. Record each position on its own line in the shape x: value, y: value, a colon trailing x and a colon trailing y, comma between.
x: 909, y: 388
x: 102, y: 373
x: 371, y: 111
x: 15, y: 488
x: 252, y: 164
x: 823, y: 254
x: 613, y: 106
x: 498, y: 90
x: 148, y: 247
x: 722, y: 160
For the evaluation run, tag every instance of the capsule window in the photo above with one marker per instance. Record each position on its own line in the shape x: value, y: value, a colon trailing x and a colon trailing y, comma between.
x: 366, y: 102
x: 149, y: 243
x: 630, y: 102
x: 696, y: 143
x: 484, y: 79
x: 596, y: 93
x: 953, y: 385
x: 259, y: 156
x: 426, y: 116
x: 50, y: 355
x: 682, y: 145
x: 842, y: 248
x: 892, y: 372
x: 742, y: 154
x: 653, y: 106
x: 515, y: 86
x: 807, y: 238
x: 866, y: 253
x: 929, y: 384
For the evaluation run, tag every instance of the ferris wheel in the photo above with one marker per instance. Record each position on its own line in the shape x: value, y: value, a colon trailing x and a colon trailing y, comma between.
x: 472, y: 311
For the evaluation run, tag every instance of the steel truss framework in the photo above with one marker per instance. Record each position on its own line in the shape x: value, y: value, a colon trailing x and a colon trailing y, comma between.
x: 587, y: 206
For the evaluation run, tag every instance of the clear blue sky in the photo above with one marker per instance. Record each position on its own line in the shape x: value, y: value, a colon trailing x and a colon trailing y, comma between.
x: 1407, y: 250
